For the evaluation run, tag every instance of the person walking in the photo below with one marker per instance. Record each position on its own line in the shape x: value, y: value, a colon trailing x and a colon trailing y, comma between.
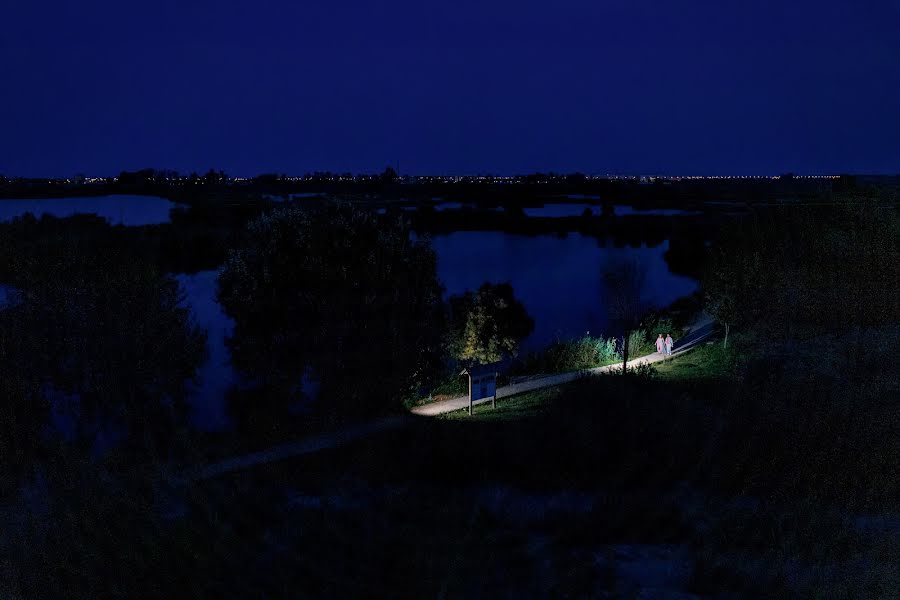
x: 670, y: 343
x: 660, y: 345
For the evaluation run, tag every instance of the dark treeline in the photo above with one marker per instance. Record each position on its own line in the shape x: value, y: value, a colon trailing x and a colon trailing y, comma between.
x: 94, y: 332
x: 193, y: 241
x: 336, y: 299
x: 525, y: 190
x: 332, y: 304
x: 808, y: 299
x: 198, y: 236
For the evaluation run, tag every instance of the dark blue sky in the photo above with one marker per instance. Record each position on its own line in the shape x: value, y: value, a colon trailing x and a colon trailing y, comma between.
x: 713, y: 86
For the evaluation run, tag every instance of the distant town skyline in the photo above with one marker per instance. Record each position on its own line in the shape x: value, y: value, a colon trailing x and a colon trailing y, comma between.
x: 493, y: 86
x: 84, y: 178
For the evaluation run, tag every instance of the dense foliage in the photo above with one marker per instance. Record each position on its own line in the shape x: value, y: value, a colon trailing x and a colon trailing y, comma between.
x: 622, y: 295
x: 335, y: 296
x: 811, y: 296
x: 796, y: 272
x: 570, y: 355
x: 93, y: 329
x: 489, y: 324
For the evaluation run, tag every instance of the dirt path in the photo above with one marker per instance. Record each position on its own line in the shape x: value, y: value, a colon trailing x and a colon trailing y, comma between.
x: 292, y: 449
x: 699, y: 334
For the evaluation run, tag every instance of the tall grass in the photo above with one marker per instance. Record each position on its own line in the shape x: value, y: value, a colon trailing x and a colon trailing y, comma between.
x: 571, y: 355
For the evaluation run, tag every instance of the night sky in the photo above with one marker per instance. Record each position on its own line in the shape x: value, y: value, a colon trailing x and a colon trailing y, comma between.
x: 461, y: 86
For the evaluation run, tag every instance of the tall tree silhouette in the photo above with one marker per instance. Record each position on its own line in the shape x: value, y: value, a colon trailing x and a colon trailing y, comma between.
x: 624, y: 282
x: 333, y: 293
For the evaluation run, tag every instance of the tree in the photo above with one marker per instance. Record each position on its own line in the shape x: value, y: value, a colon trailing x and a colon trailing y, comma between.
x: 213, y: 177
x: 624, y: 282
x: 23, y: 413
x: 793, y: 273
x: 332, y: 293
x: 722, y: 285
x: 95, y: 322
x: 389, y: 175
x: 488, y: 324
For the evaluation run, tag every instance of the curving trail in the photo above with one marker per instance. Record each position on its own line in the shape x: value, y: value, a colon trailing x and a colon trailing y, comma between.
x: 698, y: 334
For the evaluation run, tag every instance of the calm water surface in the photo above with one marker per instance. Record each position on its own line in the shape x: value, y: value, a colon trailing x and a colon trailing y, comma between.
x: 216, y: 376
x: 576, y: 210
x: 561, y: 210
x: 6, y: 296
x: 117, y: 209
x: 560, y: 281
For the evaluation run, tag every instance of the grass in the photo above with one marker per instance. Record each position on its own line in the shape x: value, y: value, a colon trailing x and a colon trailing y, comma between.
x: 519, y: 501
x: 709, y: 361
x: 741, y: 427
x: 521, y: 406
x: 565, y: 357
x: 571, y: 355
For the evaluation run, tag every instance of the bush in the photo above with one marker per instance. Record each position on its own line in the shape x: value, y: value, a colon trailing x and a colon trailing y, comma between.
x: 572, y: 355
x: 639, y: 344
x: 798, y: 272
x: 607, y: 352
x: 336, y: 293
x: 643, y: 372
x: 452, y: 384
x: 658, y: 325
x: 489, y: 324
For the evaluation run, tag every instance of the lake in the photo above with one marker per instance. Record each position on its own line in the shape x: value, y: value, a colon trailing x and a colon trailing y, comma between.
x: 6, y: 296
x: 561, y: 210
x: 117, y: 209
x: 216, y: 376
x: 576, y: 210
x: 559, y: 280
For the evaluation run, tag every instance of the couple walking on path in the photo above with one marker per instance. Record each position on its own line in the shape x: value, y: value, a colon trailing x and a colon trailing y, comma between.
x: 664, y: 346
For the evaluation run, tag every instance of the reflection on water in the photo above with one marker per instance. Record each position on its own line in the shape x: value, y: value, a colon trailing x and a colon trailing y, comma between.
x: 561, y: 210
x: 460, y: 206
x: 118, y: 210
x: 558, y: 279
x: 216, y: 376
x: 624, y: 209
x: 576, y: 210
x: 6, y: 296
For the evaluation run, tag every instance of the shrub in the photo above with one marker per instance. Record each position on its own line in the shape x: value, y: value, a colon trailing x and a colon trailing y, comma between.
x: 571, y: 355
x: 335, y: 292
x: 658, y: 325
x: 639, y: 344
x: 489, y: 324
x: 606, y: 350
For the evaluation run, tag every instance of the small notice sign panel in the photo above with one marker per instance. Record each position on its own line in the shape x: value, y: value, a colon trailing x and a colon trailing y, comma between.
x: 484, y: 386
x: 482, y: 383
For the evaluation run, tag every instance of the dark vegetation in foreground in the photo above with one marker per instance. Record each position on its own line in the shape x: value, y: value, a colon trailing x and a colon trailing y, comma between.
x: 738, y: 479
x: 765, y: 469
